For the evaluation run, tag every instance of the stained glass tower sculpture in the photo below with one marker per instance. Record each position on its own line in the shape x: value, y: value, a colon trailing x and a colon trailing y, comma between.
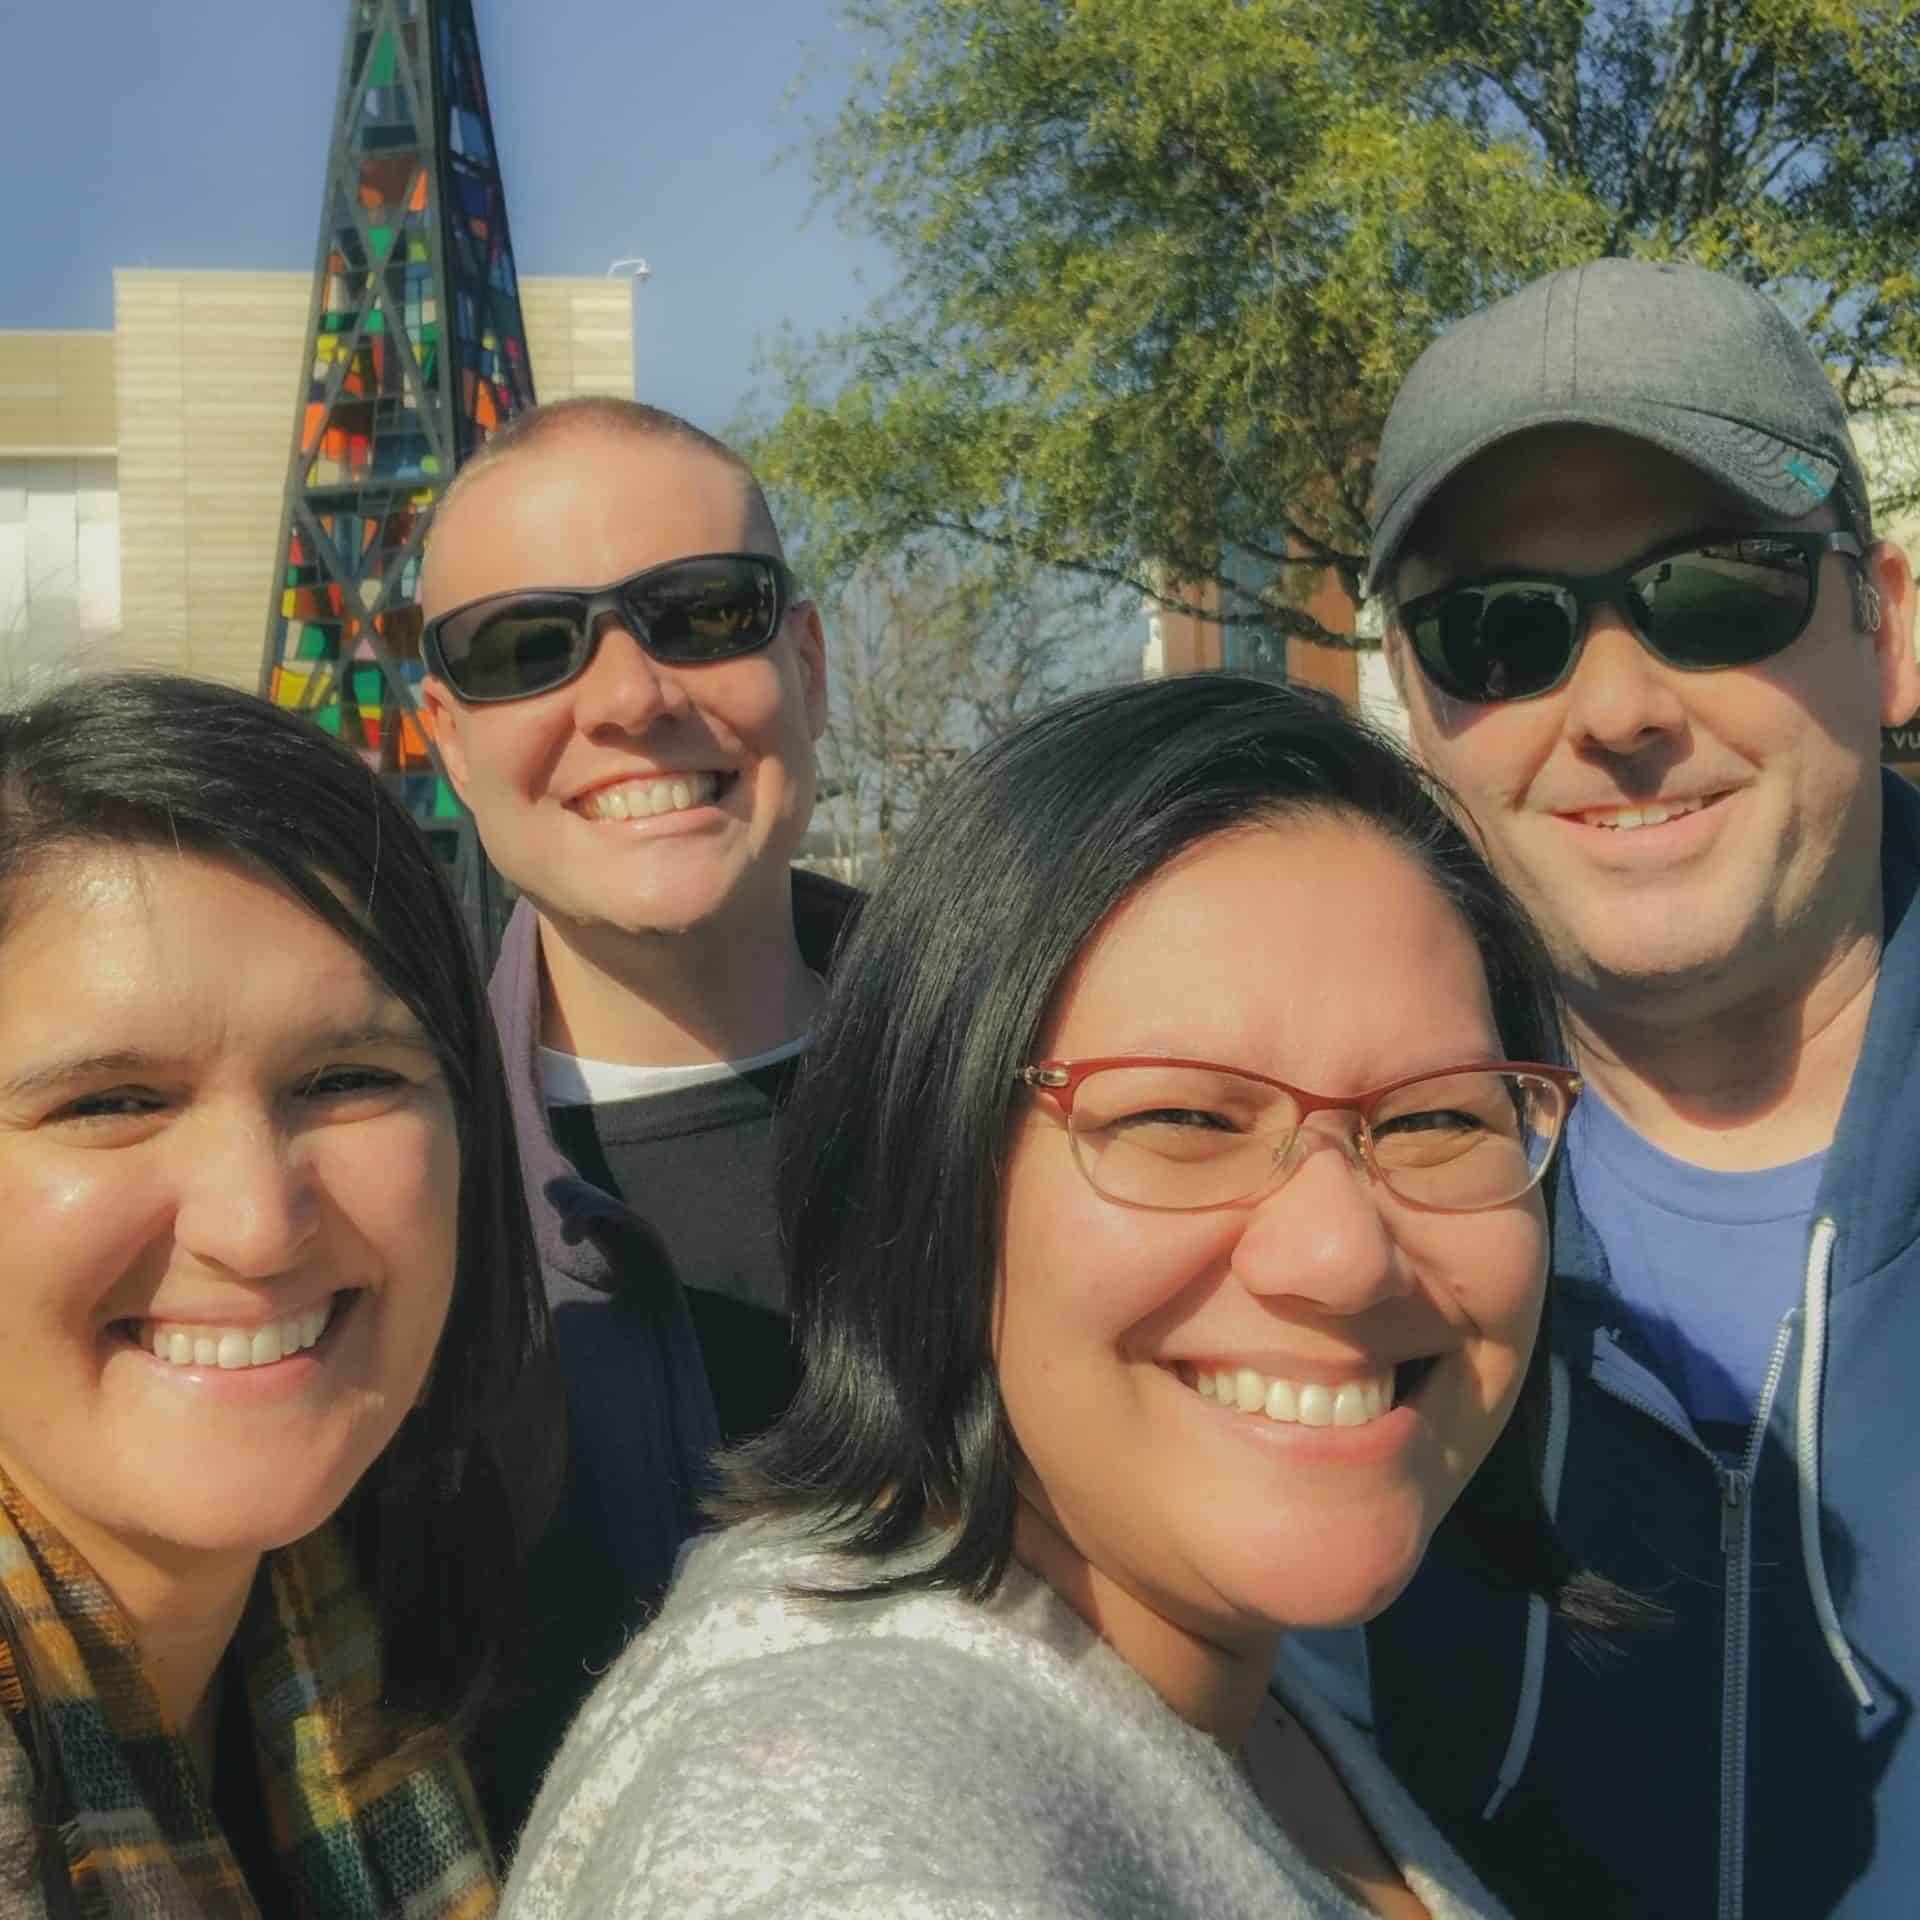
x: 416, y: 351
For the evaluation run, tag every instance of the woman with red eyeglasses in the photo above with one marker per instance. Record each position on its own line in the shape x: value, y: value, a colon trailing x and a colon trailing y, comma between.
x: 1165, y: 1201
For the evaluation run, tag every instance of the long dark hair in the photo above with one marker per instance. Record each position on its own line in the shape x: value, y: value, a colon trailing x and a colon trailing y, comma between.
x: 896, y: 1141
x: 438, y: 1524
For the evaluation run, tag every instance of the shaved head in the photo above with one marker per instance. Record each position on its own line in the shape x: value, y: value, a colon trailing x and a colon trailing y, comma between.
x: 588, y: 415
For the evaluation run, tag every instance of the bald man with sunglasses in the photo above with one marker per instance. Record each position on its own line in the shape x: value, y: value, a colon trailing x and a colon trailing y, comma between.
x: 1645, y: 633
x: 626, y: 688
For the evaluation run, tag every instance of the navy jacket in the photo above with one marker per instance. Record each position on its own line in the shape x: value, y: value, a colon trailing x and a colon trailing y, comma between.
x: 641, y: 1426
x: 1755, y: 1758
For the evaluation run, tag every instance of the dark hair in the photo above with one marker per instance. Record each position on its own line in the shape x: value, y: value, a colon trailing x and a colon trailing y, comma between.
x: 897, y: 1138
x: 438, y: 1524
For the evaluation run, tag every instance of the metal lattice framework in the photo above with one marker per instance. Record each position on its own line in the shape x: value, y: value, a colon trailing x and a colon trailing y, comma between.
x: 416, y: 351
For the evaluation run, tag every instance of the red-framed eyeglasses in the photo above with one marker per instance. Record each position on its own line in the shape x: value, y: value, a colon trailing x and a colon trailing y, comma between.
x: 1178, y: 1136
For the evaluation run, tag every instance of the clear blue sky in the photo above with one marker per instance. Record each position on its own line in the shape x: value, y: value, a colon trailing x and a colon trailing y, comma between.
x: 142, y: 135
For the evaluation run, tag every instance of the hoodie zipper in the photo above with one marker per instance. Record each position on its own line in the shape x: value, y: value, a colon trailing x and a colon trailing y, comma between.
x: 1736, y: 1552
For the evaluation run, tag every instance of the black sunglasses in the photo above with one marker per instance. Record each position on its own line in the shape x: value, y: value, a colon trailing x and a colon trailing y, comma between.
x: 685, y: 613
x: 1707, y: 601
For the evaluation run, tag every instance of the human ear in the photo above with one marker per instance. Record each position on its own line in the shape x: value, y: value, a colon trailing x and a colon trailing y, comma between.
x: 810, y: 653
x: 1887, y: 585
x: 441, y: 711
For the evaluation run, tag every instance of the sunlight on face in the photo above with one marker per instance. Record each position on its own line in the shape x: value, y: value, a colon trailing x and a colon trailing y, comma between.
x: 585, y: 508
x: 1317, y: 953
x: 228, y: 1190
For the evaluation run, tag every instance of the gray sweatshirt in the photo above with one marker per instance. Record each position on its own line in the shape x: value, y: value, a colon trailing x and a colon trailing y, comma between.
x: 925, y: 1758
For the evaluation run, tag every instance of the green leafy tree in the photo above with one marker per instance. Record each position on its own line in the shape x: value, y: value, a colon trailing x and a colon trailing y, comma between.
x: 1163, y: 262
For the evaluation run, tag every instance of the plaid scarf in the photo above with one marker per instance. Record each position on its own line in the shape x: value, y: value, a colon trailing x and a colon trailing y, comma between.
x: 391, y: 1843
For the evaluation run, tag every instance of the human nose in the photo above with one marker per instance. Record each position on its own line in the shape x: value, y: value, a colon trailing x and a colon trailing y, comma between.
x: 1619, y: 697
x: 624, y: 688
x: 248, y: 1201
x: 1320, y: 1236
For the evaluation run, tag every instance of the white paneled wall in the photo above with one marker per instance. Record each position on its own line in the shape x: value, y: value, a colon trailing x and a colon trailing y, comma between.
x: 59, y: 569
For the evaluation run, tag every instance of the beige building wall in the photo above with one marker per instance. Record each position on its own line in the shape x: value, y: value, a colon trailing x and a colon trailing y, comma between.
x: 579, y: 336
x: 56, y: 394
x: 210, y: 370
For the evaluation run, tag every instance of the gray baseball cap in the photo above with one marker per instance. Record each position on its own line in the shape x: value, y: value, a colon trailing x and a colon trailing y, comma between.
x: 1694, y: 363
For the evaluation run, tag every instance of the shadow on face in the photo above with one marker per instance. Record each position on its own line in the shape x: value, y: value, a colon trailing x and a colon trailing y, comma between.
x: 1774, y: 765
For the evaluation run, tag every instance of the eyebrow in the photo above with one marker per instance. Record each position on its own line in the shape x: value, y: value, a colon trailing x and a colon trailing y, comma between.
x: 137, y: 1061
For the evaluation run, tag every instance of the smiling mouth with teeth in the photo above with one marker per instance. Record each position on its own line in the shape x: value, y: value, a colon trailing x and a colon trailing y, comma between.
x: 179, y: 1343
x: 1655, y: 814
x: 1312, y: 1403
x: 643, y: 799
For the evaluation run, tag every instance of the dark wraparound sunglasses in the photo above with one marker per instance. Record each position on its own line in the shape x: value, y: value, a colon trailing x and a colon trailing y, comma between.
x: 685, y: 613
x: 1708, y: 601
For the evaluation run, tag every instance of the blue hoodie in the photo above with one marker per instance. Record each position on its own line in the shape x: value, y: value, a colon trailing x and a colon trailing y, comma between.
x: 1755, y: 1758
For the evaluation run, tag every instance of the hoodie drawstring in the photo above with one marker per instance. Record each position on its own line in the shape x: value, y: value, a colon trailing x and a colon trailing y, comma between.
x: 1807, y: 1456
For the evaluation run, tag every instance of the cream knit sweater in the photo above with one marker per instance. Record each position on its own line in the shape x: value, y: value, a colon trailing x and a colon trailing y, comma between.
x: 917, y: 1759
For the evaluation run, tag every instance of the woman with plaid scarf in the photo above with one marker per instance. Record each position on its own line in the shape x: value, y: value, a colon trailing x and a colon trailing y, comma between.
x: 268, y: 1319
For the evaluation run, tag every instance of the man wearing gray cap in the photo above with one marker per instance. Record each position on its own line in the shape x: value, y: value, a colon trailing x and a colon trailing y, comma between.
x: 1645, y: 632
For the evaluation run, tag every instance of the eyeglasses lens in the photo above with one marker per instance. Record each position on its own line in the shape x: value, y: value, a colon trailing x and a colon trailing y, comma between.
x: 1502, y: 641
x: 1184, y: 1138
x: 522, y: 649
x: 707, y: 611
x: 1724, y: 605
x: 1466, y: 1140
x: 1179, y: 1137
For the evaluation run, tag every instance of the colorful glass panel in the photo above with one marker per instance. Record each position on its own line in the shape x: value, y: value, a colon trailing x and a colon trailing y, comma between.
x: 418, y: 351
